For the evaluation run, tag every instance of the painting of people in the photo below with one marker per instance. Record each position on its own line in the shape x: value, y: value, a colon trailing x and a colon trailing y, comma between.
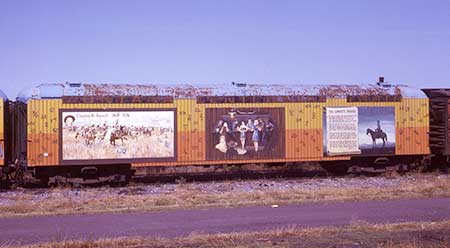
x: 234, y: 133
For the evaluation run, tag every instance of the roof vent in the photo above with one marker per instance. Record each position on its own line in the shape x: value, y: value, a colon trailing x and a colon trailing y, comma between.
x: 382, y: 83
x: 74, y: 85
x: 239, y: 84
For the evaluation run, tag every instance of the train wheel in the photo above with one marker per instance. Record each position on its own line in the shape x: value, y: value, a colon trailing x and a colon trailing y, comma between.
x: 336, y: 168
x: 5, y: 181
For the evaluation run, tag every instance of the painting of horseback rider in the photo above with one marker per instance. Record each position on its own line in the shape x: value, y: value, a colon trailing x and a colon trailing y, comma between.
x: 377, y: 134
x: 373, y: 128
x: 376, y: 128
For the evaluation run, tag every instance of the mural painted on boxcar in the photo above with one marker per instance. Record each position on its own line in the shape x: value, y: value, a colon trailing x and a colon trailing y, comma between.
x: 359, y: 130
x: 244, y: 133
x: 109, y: 135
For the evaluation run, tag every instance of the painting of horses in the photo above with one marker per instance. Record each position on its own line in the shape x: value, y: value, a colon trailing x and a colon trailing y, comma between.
x: 375, y: 131
x: 111, y: 135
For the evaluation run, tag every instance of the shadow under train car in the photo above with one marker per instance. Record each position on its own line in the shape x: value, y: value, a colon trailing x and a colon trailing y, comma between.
x: 78, y: 175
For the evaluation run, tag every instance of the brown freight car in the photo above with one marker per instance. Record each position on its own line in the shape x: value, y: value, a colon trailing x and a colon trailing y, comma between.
x: 97, y: 131
x: 5, y: 140
x: 439, y: 125
x: 3, y: 99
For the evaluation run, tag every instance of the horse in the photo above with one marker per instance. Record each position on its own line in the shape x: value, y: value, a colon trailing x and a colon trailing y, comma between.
x: 377, y: 135
x: 88, y: 134
x: 115, y: 135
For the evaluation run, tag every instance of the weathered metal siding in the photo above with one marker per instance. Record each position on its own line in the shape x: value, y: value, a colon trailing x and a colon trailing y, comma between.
x: 411, y: 120
x: 2, y: 132
x: 447, y: 138
x: 447, y: 129
x: 43, y: 132
x: 304, y: 136
x: 413, y: 125
x: 43, y: 126
x: 191, y: 130
x: 303, y: 132
x: 439, y: 103
x: 303, y: 128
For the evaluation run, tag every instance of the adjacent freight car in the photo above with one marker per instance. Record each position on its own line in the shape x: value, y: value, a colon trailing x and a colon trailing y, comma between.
x: 3, y: 99
x: 5, y: 140
x: 439, y: 125
x: 101, y: 132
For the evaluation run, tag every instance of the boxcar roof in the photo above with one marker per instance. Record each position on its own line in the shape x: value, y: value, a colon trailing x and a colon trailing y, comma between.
x: 58, y: 90
x: 437, y: 92
x: 3, y: 96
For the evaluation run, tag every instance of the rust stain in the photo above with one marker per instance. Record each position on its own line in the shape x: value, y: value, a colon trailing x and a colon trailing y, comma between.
x: 192, y: 91
x: 181, y: 91
x: 355, y: 90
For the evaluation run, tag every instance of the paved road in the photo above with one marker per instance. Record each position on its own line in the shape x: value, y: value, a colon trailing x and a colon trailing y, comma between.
x: 184, y: 222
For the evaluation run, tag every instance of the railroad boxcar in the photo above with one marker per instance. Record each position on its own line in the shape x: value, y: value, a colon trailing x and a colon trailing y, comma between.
x: 439, y: 125
x: 86, y: 129
x: 5, y: 140
x: 3, y: 106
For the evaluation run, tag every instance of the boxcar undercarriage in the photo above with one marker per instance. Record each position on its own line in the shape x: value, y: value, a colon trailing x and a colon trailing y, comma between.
x: 121, y: 174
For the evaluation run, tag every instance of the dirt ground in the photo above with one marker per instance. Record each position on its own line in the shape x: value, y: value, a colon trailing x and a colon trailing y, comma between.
x: 182, y: 195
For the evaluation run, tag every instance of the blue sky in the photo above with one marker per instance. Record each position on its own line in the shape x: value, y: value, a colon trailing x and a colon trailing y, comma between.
x: 134, y: 41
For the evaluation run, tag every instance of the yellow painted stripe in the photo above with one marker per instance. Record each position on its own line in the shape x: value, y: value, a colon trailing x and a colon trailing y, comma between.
x: 117, y: 105
x: 191, y: 116
x: 413, y: 113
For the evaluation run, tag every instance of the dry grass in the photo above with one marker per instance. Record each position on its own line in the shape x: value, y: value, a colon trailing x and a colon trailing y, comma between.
x: 186, y: 196
x: 404, y: 235
x: 155, y: 146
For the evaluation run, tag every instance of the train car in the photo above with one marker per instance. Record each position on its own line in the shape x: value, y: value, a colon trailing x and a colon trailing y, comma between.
x: 3, y: 106
x: 5, y: 139
x: 439, y: 125
x: 103, y: 131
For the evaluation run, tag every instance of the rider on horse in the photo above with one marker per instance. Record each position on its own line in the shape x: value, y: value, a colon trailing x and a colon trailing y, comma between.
x: 377, y: 134
x: 378, y: 129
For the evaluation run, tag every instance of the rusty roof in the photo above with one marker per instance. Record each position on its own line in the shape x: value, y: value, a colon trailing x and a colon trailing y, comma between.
x: 193, y: 90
